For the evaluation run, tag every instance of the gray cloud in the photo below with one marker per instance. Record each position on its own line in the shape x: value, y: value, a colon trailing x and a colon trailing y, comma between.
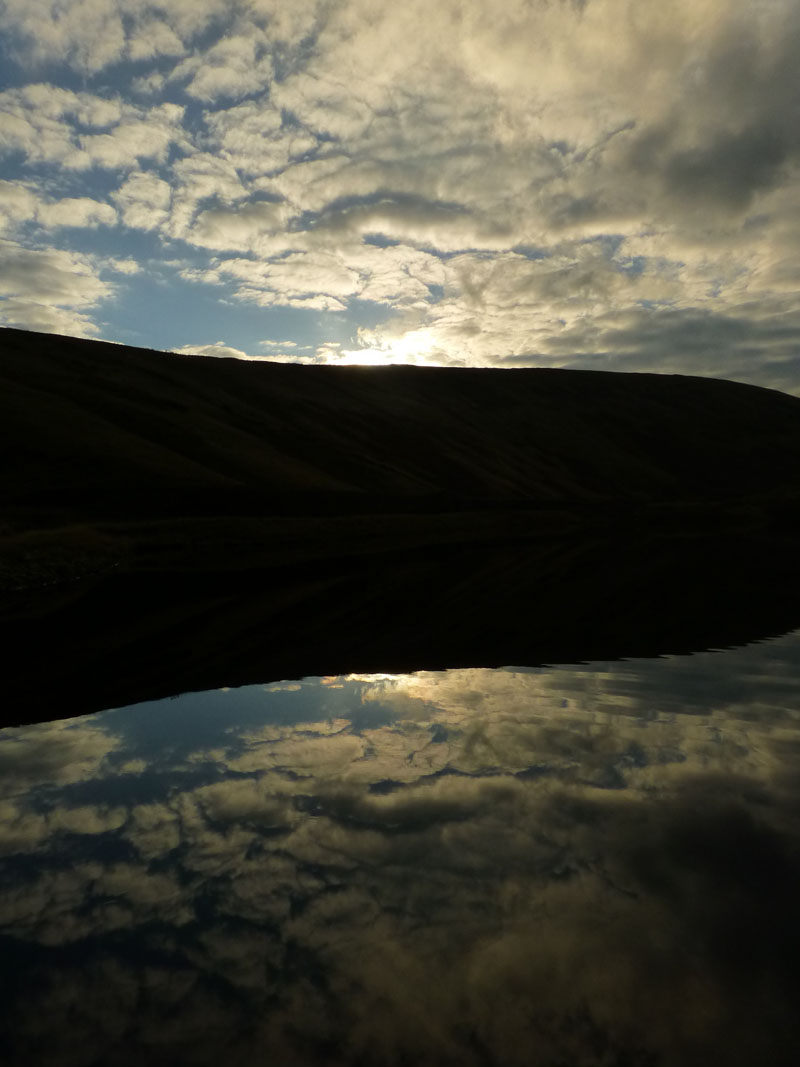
x: 760, y: 348
x: 732, y: 127
x: 49, y: 289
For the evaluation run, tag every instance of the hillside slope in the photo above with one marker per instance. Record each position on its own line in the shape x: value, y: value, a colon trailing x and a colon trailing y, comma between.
x: 96, y: 425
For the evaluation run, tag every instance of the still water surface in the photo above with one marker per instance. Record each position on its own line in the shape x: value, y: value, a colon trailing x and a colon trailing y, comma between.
x: 583, y: 865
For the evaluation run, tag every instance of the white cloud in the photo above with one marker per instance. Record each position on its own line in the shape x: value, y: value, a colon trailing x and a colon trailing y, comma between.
x: 124, y: 266
x: 254, y: 138
x: 144, y: 200
x: 198, y: 180
x: 76, y: 211
x: 45, y: 317
x: 311, y: 280
x: 86, y: 33
x: 234, y: 67
x: 17, y: 204
x: 154, y: 37
x: 20, y: 204
x: 148, y: 137
x: 92, y: 34
x: 80, y: 130
x: 218, y: 349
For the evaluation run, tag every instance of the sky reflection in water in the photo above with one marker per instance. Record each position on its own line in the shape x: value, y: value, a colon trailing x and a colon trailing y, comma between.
x: 582, y: 865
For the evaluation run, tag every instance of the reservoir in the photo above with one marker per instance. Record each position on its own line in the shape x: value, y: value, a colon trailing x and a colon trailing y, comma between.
x: 591, y: 864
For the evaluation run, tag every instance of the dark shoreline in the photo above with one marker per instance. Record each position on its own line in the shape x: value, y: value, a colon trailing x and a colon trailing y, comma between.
x: 127, y: 637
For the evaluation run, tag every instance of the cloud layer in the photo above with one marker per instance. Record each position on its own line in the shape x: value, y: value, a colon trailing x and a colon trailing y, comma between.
x: 595, y: 183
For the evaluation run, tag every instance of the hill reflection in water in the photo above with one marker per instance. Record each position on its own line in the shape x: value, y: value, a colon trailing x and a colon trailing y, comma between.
x: 586, y: 865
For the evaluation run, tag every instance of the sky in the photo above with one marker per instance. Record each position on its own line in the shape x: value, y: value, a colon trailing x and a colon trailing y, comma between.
x: 528, y: 183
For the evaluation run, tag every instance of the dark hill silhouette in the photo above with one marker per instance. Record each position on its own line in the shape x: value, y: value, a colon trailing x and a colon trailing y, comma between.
x: 85, y: 424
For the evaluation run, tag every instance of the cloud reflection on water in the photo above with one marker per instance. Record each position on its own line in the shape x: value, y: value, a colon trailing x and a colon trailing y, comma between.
x: 588, y: 865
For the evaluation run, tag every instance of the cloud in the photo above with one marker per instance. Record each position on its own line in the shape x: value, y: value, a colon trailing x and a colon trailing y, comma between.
x: 80, y: 130
x: 740, y: 134
x: 154, y: 37
x: 92, y: 34
x: 202, y: 180
x: 256, y: 138
x: 124, y: 266
x: 62, y: 753
x: 49, y: 290
x: 218, y: 349
x: 17, y: 204
x: 143, y: 200
x: 300, y: 279
x: 77, y: 211
x: 138, y: 138
x: 20, y: 204
x: 235, y: 229
x: 234, y: 67
x: 412, y: 220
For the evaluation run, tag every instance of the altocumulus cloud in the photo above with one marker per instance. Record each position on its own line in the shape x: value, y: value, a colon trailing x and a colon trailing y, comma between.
x: 598, y: 184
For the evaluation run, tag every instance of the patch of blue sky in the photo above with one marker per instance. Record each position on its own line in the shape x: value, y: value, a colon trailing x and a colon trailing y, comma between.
x: 531, y: 251
x: 366, y: 314
x: 633, y: 265
x: 96, y: 182
x: 379, y: 240
x: 156, y: 308
x: 476, y: 254
x: 654, y: 305
x: 610, y: 243
x: 15, y: 168
x: 112, y: 242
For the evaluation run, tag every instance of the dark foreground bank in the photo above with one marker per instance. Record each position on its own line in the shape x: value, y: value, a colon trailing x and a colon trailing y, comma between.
x: 115, y: 640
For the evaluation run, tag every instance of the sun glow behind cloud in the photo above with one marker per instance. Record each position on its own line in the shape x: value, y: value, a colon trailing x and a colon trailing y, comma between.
x: 416, y: 347
x: 598, y: 183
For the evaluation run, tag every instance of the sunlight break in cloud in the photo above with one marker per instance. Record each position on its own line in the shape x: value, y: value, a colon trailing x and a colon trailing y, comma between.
x: 603, y: 184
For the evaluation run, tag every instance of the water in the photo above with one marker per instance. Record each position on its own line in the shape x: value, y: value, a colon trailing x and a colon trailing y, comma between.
x: 577, y: 865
